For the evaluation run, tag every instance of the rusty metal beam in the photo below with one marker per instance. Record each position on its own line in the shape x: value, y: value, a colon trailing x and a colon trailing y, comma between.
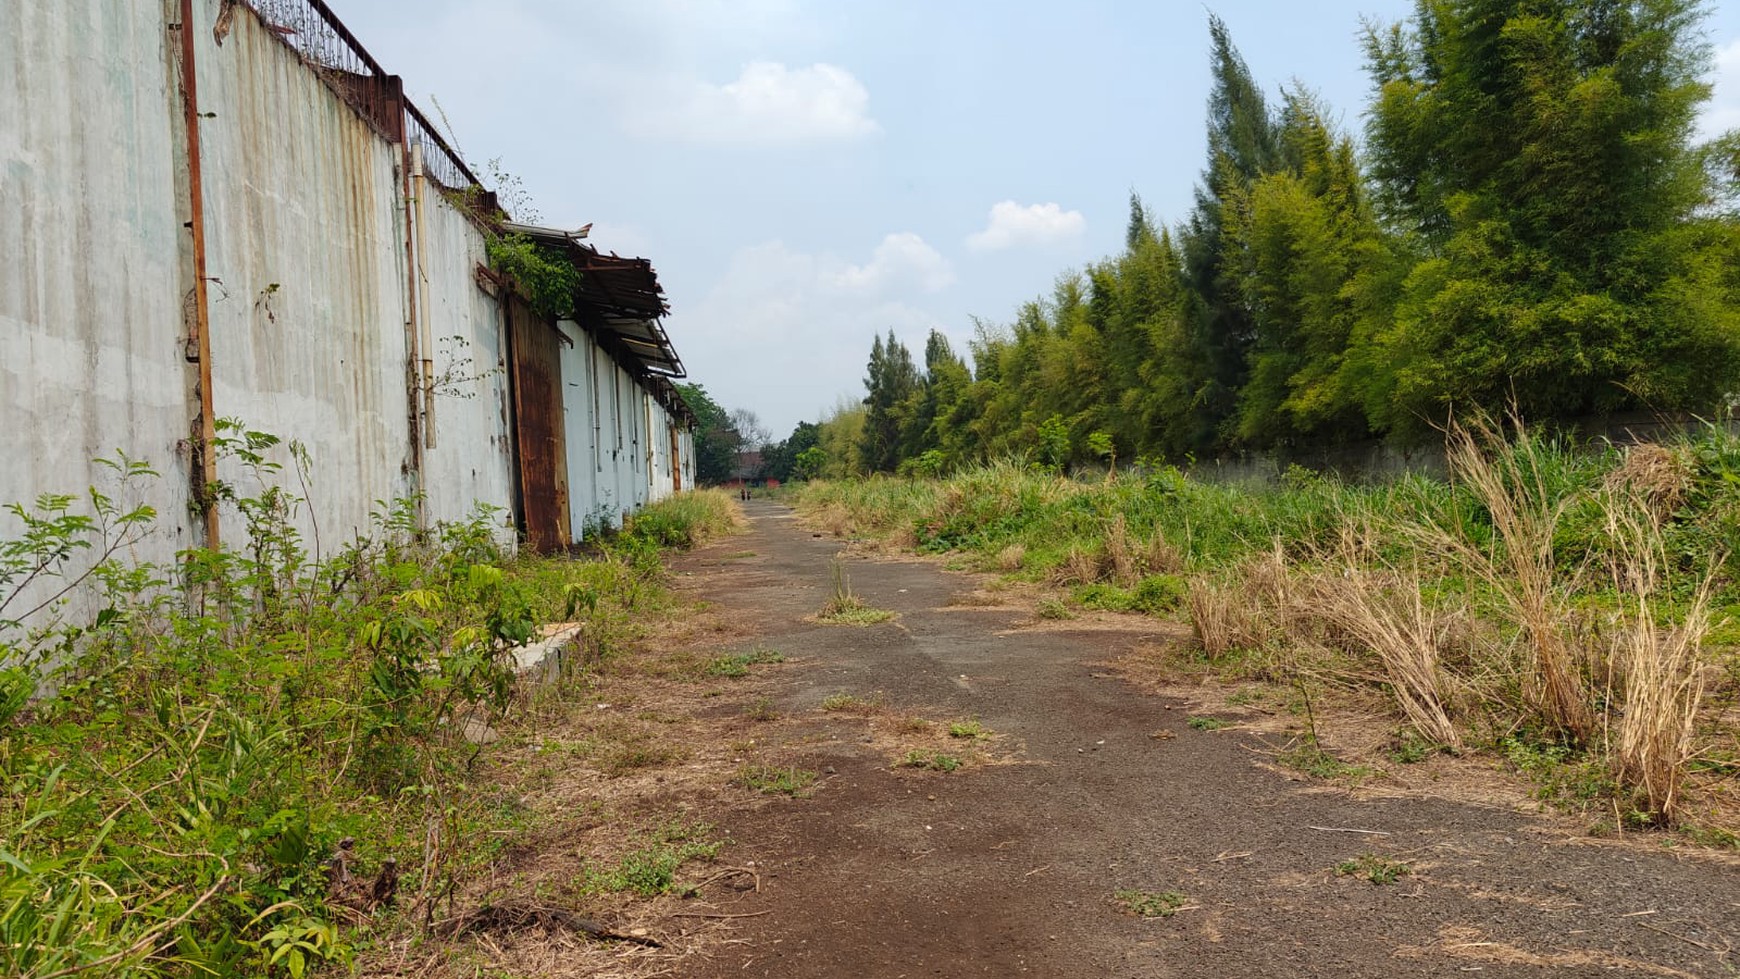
x: 205, y: 436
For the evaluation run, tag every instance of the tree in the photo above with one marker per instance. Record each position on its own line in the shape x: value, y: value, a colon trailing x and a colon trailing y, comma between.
x: 1541, y: 152
x: 780, y: 459
x: 752, y: 435
x: 890, y: 382
x: 716, y: 441
x: 1317, y: 275
x: 1242, y: 146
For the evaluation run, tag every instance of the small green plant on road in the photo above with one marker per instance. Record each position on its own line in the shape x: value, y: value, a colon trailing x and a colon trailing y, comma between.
x: 1150, y: 904
x: 845, y: 607
x: 845, y: 703
x: 970, y: 728
x: 934, y: 761
x: 775, y: 779
x: 652, y: 869
x: 1377, y: 869
x: 738, y: 664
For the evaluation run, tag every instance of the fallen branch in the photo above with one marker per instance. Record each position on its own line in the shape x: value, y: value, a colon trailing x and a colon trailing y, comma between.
x: 517, y: 917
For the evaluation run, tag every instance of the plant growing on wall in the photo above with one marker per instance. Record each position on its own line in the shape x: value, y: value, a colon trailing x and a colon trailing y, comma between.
x: 547, y: 277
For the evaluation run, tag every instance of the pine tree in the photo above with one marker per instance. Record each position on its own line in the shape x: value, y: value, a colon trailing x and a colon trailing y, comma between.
x: 1242, y: 145
x: 890, y: 381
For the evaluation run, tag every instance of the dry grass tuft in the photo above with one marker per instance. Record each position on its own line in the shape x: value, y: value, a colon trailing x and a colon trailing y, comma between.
x: 1386, y: 614
x: 1658, y: 673
x: 1159, y: 556
x: 1658, y: 475
x: 1078, y: 568
x: 1122, y: 555
x: 1224, y: 618
x: 1012, y: 557
x: 1508, y: 477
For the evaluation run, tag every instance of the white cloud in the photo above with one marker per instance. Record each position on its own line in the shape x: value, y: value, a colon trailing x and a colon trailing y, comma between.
x: 1722, y: 112
x: 805, y: 321
x: 1011, y: 225
x: 903, y: 259
x: 767, y: 103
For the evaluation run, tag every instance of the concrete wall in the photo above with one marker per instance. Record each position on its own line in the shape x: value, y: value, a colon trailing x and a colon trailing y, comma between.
x: 305, y: 245
x: 92, y: 199
x: 472, y: 460
x: 311, y: 285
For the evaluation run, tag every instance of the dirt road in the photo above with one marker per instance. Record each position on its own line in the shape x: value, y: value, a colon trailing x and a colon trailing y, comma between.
x: 1011, y: 868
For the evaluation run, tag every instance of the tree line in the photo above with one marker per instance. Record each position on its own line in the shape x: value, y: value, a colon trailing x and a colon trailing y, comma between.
x: 1528, y: 222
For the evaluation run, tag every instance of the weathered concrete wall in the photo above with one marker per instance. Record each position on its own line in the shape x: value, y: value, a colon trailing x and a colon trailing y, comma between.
x: 312, y: 286
x: 92, y: 352
x: 579, y: 408
x: 472, y: 460
x: 659, y: 438
x: 306, y: 252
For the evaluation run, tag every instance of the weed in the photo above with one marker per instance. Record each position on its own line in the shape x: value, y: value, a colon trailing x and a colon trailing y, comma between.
x: 651, y: 870
x: 1052, y: 608
x: 774, y: 779
x: 1309, y: 757
x: 1379, y: 870
x: 934, y: 761
x: 968, y: 728
x: 1150, y: 904
x: 622, y: 759
x: 846, y: 703
x: 1409, y: 748
x: 291, y: 692
x: 1545, y: 587
x: 762, y: 710
x: 737, y: 664
x: 845, y: 607
x: 1206, y: 723
x: 853, y: 614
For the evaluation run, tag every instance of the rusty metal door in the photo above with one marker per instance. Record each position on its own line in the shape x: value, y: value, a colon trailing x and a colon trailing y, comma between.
x: 538, y: 431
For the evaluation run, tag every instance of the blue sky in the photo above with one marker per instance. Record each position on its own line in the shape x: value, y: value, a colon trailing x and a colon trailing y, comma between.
x: 806, y: 175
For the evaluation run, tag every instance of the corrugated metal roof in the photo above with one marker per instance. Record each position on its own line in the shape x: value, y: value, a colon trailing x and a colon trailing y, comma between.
x: 619, y: 296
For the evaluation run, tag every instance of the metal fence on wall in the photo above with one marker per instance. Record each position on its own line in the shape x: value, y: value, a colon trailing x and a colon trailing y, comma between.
x: 314, y: 32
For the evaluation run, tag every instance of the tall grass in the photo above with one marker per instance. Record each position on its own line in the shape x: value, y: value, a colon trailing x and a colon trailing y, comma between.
x: 686, y: 519
x: 1558, y: 594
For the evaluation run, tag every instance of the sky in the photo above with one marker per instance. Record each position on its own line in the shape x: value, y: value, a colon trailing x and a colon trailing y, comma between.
x: 807, y: 175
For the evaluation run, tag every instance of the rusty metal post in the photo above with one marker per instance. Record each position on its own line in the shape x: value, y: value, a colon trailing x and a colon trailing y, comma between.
x: 413, y: 365
x: 425, y: 335
x: 205, y: 476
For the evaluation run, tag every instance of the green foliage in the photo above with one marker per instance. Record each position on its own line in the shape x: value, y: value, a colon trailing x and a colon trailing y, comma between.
x: 775, y: 779
x: 679, y: 521
x: 1530, y: 224
x: 891, y: 382
x: 652, y: 869
x: 1054, y: 443
x: 738, y: 664
x: 548, y: 277
x: 1150, y: 904
x: 1542, y: 154
x: 207, y: 732
x: 717, y: 441
x: 798, y: 456
x: 1374, y: 868
x: 934, y: 761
